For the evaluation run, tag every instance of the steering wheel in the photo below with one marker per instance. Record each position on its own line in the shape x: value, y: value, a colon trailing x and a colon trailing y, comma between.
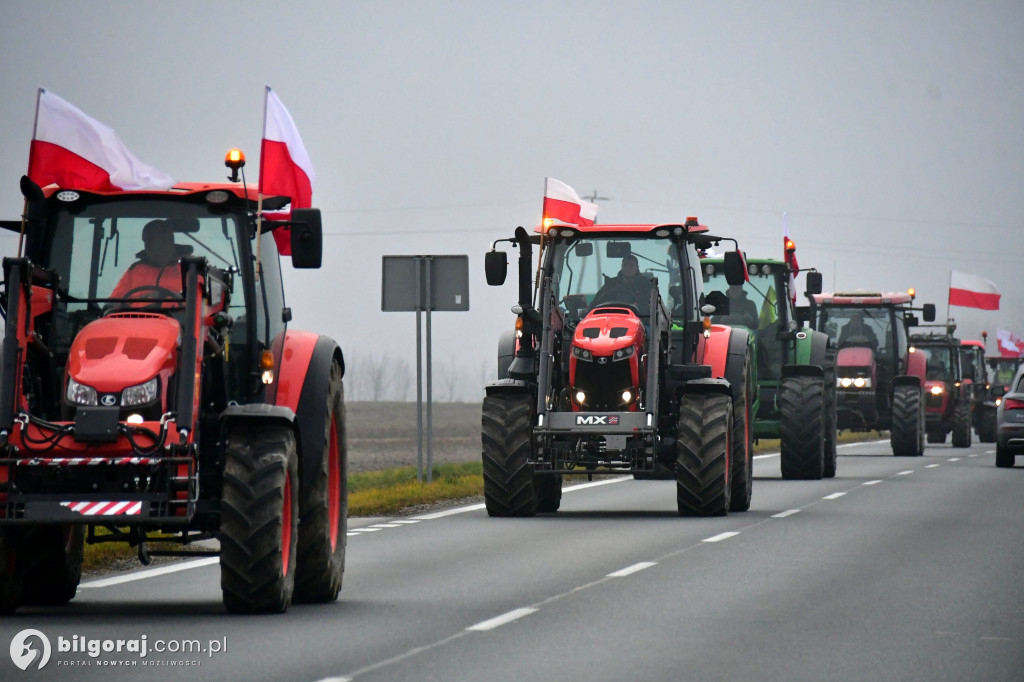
x: 164, y: 294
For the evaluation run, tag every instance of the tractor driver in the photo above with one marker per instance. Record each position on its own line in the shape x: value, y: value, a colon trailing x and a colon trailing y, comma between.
x: 856, y: 331
x: 158, y: 262
x: 629, y: 284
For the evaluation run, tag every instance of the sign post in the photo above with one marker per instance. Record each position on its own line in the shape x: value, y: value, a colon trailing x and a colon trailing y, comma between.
x: 424, y: 284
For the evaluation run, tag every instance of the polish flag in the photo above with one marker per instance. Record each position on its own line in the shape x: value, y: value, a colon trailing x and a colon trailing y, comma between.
x: 1010, y: 345
x: 789, y: 252
x: 561, y: 204
x: 971, y: 291
x: 285, y: 168
x: 74, y: 151
x: 588, y: 213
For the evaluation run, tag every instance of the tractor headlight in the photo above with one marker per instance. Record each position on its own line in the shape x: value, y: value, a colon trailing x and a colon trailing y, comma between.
x: 80, y: 394
x: 844, y: 382
x: 581, y: 397
x: 582, y: 353
x: 142, y: 394
x: 623, y: 353
x: 937, y: 390
x: 862, y: 382
x: 627, y: 396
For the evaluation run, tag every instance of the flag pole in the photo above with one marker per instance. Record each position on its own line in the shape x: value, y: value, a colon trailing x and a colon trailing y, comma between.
x: 24, y: 208
x: 949, y: 293
x: 259, y: 191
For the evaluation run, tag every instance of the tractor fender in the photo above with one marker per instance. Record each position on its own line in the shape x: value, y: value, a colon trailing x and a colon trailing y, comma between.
x: 705, y: 386
x: 812, y: 349
x: 906, y: 380
x: 256, y: 411
x: 504, y: 386
x: 917, y: 365
x: 714, y: 350
x: 506, y: 352
x: 308, y: 370
x: 802, y: 371
x: 739, y: 342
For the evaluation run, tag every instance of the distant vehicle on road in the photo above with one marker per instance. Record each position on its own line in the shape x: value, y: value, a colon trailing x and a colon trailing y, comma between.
x: 1010, y: 421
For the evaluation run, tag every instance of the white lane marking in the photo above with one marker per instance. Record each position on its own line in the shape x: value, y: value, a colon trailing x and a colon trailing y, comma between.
x: 151, y: 573
x: 770, y: 454
x: 833, y: 496
x: 931, y: 466
x: 365, y: 529
x: 877, y: 480
x: 449, y: 512
x: 501, y: 620
x: 630, y: 570
x: 953, y: 459
x: 721, y: 536
x: 405, y: 521
x: 336, y: 679
x: 384, y: 525
x: 844, y: 445
x: 905, y: 473
x: 784, y: 514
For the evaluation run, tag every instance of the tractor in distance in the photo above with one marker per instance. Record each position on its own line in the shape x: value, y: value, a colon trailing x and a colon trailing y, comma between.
x: 879, y: 379
x: 979, y: 388
x: 613, y: 372
x: 180, y: 411
x: 947, y: 402
x: 794, y: 368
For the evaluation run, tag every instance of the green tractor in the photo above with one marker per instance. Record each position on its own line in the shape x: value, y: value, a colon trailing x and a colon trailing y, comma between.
x: 795, y: 400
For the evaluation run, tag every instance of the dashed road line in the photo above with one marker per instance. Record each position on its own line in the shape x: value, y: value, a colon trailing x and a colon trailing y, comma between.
x: 931, y: 466
x: 833, y: 496
x: 874, y: 482
x: 905, y: 473
x: 721, y: 536
x: 784, y: 514
x: 503, y: 619
x: 630, y: 570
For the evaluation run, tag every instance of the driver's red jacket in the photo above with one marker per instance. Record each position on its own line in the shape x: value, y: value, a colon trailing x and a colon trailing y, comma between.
x: 143, y: 274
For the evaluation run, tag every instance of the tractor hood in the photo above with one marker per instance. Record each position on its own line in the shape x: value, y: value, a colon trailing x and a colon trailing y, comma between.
x: 855, y: 356
x: 608, y: 329
x: 124, y: 349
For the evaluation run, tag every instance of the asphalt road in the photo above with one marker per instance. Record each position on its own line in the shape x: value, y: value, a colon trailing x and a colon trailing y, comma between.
x: 897, y: 569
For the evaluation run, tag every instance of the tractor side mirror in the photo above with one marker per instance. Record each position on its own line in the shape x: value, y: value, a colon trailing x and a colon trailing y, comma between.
x: 735, y: 268
x: 929, y: 312
x: 813, y: 283
x: 34, y: 199
x: 719, y: 300
x: 495, y: 267
x: 307, y: 238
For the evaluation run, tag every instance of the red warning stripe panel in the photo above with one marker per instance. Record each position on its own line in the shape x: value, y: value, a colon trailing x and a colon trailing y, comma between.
x: 86, y: 461
x: 105, y: 508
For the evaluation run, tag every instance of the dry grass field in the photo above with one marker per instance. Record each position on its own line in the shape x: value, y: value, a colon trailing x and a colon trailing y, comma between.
x: 382, y: 435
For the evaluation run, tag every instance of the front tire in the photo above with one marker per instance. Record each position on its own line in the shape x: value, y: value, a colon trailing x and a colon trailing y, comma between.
x: 962, y: 427
x: 907, y: 422
x: 702, y: 454
x: 742, y: 455
x: 801, y: 427
x: 323, y: 508
x: 507, y: 440
x: 259, y: 518
x: 57, y: 553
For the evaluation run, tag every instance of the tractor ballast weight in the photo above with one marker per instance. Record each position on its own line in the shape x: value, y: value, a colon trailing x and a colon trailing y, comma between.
x: 879, y: 380
x: 178, y: 415
x: 607, y: 374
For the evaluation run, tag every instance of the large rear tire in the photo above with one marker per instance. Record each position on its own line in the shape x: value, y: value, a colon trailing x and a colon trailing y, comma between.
x: 507, y: 440
x: 323, y: 508
x: 830, y: 455
x: 962, y: 427
x: 56, y: 564
x: 742, y: 455
x: 907, y: 433
x: 259, y: 518
x: 702, y: 454
x: 802, y: 427
x: 987, y: 425
x: 10, y: 576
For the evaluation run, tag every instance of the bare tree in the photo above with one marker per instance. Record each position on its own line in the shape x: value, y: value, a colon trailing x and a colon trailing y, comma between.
x: 402, y: 380
x: 377, y: 372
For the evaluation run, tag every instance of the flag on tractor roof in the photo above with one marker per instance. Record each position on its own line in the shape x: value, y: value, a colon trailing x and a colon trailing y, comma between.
x: 285, y: 168
x: 563, y: 205
x: 789, y: 251
x: 75, y: 151
x: 1009, y: 344
x: 972, y: 291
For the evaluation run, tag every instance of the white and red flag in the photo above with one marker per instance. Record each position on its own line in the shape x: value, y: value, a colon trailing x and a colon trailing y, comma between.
x: 75, y: 151
x: 285, y: 168
x: 972, y: 291
x: 588, y: 213
x: 1010, y: 345
x: 563, y: 205
x: 789, y: 252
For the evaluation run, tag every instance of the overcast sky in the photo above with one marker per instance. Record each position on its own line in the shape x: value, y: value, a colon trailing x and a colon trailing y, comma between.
x: 891, y: 133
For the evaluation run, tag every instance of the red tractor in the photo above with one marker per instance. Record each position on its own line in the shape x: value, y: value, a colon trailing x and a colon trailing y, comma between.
x: 179, y: 411
x: 947, y: 402
x: 879, y: 379
x: 978, y: 387
x: 615, y: 368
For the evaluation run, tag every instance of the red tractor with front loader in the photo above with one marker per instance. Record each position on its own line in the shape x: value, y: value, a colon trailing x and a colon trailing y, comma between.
x: 616, y: 372
x: 178, y: 412
x: 879, y: 379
